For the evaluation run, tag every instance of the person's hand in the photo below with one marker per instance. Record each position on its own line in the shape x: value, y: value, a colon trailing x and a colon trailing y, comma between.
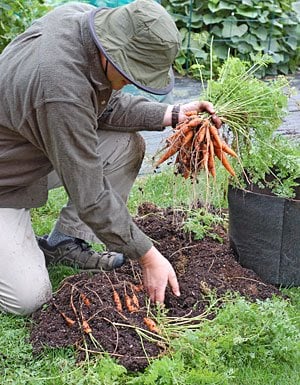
x: 192, y: 106
x: 157, y: 274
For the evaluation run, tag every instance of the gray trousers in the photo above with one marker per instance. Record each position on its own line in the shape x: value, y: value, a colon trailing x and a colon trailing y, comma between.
x: 24, y: 279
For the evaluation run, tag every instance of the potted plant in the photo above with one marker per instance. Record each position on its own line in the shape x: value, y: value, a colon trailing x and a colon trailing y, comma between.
x: 264, y: 196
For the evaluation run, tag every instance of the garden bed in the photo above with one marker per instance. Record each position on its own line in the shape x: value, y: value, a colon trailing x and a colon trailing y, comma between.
x: 205, y: 269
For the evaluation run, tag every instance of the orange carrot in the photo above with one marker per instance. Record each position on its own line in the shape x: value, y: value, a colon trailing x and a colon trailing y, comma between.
x: 86, y: 327
x: 211, y: 161
x: 68, y: 320
x: 85, y: 299
x: 215, y: 135
x: 195, y: 122
x: 130, y: 304
x: 224, y: 161
x: 174, y: 147
x: 151, y: 325
x: 228, y: 150
x: 191, y: 113
x: 137, y: 288
x: 117, y: 301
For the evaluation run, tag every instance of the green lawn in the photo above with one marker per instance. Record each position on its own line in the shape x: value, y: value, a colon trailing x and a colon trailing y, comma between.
x: 246, y: 344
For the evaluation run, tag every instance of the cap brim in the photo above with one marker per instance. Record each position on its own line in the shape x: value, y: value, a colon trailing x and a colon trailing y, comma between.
x: 153, y: 90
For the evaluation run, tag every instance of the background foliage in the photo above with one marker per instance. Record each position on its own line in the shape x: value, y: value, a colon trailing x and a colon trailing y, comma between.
x: 245, y: 27
x: 16, y: 16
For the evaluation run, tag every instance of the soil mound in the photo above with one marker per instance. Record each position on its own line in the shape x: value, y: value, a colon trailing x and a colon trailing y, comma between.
x: 84, y: 311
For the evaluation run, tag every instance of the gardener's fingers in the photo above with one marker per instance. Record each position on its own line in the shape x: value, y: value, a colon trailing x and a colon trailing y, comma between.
x: 199, y: 107
x: 157, y: 273
x: 207, y: 106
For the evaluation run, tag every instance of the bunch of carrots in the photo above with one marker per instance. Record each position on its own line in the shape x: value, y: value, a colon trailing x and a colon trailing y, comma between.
x: 196, y: 142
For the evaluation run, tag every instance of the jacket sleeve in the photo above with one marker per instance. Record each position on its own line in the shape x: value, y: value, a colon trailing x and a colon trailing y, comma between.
x: 126, y: 112
x: 68, y: 136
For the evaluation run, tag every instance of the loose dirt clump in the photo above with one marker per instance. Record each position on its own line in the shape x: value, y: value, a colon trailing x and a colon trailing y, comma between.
x: 84, y: 312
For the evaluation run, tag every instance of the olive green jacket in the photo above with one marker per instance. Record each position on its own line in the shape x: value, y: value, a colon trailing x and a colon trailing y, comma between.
x: 53, y: 98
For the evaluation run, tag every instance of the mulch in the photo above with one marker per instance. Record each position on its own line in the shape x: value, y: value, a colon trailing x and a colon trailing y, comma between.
x: 202, y: 266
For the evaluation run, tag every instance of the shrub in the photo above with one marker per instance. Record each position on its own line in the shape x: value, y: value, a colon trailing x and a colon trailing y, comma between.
x: 245, y: 27
x: 16, y: 16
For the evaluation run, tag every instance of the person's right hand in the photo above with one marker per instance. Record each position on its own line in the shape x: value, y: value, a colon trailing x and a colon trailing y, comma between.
x: 157, y: 274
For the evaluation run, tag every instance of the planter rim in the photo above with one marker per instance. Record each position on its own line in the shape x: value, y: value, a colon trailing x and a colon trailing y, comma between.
x: 246, y: 191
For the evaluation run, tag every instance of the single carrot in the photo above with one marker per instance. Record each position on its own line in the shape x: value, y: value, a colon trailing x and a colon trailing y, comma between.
x: 129, y: 304
x: 220, y: 154
x: 86, y: 327
x: 135, y: 301
x: 68, y: 320
x: 215, y: 135
x: 195, y: 122
x: 228, y: 150
x: 85, y: 299
x: 151, y: 325
x: 211, y: 161
x: 117, y: 301
x: 191, y: 113
x: 137, y: 288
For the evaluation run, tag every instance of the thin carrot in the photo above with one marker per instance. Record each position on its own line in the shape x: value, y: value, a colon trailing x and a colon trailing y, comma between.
x: 117, y: 300
x: 211, y: 161
x: 86, y: 327
x: 85, y: 299
x: 132, y: 308
x: 68, y: 320
x: 228, y: 150
x: 215, y: 135
x: 220, y: 154
x: 151, y: 325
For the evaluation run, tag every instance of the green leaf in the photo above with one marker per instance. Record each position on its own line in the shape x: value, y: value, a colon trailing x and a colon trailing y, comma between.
x: 221, y: 6
x: 230, y: 28
x: 261, y: 32
x: 208, y: 19
x: 250, y: 13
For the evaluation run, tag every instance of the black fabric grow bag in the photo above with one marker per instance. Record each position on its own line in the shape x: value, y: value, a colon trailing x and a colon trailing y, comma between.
x: 264, y: 232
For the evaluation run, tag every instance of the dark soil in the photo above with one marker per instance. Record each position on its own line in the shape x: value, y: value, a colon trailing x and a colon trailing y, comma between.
x: 202, y: 267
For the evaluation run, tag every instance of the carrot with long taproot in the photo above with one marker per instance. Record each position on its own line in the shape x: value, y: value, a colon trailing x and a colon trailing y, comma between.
x: 215, y: 135
x: 220, y: 154
x: 211, y: 161
x: 228, y: 150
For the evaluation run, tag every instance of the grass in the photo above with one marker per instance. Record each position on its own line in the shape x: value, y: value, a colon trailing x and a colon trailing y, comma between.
x: 246, y: 344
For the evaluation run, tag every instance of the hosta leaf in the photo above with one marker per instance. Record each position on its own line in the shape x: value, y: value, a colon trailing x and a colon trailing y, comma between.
x: 244, y: 47
x: 250, y: 13
x: 293, y: 42
x: 220, y: 50
x: 208, y: 18
x: 230, y: 28
x: 260, y: 32
x: 223, y: 5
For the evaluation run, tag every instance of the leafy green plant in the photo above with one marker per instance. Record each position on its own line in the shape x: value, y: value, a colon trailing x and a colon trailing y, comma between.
x: 16, y: 16
x: 202, y: 223
x: 245, y: 27
x: 252, y: 110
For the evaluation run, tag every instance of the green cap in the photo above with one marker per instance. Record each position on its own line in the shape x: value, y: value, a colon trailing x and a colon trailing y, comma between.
x: 141, y: 41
